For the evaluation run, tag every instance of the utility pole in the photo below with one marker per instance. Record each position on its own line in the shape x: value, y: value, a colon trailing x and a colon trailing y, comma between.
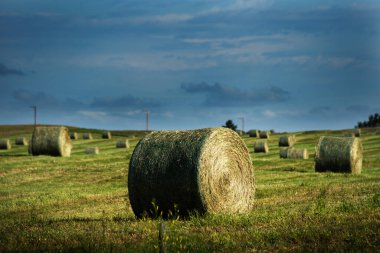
x: 147, y: 120
x: 35, y: 115
x: 242, y: 125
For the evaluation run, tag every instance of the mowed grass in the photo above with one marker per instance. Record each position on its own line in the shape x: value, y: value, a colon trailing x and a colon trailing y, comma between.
x: 81, y: 203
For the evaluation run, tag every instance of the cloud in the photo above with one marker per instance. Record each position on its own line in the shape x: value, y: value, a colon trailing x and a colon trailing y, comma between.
x: 357, y: 108
x: 320, y: 110
x: 4, y: 71
x: 41, y: 99
x: 127, y: 101
x: 100, y: 116
x: 269, y: 114
x: 219, y: 95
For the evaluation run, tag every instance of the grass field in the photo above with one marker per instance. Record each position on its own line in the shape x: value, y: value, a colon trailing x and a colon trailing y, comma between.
x: 81, y: 203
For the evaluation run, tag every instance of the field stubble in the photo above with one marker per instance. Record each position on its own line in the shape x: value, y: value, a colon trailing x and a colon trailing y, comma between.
x: 80, y: 203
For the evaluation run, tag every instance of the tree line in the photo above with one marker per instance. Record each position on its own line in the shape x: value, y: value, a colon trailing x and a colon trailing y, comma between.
x: 373, y: 121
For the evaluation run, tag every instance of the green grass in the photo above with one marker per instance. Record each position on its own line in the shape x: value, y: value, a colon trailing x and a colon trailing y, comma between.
x: 81, y: 203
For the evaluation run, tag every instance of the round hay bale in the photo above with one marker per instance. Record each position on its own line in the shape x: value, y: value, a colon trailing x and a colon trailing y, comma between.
x: 5, y: 144
x: 260, y: 147
x: 283, y: 152
x: 74, y: 136
x: 30, y: 148
x: 203, y: 171
x: 287, y: 141
x: 297, y: 153
x: 53, y: 141
x: 122, y: 143
x: 264, y: 134
x: 87, y: 136
x: 357, y: 132
x: 92, y: 151
x: 253, y: 133
x: 106, y: 135
x: 339, y: 154
x: 21, y: 141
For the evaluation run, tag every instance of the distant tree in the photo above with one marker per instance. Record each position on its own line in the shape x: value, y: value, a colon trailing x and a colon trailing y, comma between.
x: 230, y: 124
x: 373, y: 121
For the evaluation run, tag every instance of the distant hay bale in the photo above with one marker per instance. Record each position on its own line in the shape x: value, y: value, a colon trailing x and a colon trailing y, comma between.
x: 297, y: 153
x: 357, y: 132
x: 260, y: 147
x: 264, y: 134
x: 87, y: 136
x: 349, y: 134
x: 21, y: 141
x: 287, y: 141
x: 253, y: 133
x: 283, y: 152
x: 5, y: 144
x: 53, y: 141
x: 122, y: 143
x: 92, y: 151
x: 106, y: 135
x: 74, y: 136
x: 339, y: 154
x: 203, y: 171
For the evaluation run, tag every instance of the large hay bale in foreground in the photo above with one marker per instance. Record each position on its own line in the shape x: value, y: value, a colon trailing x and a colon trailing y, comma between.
x: 297, y: 153
x: 203, y: 171
x: 106, y: 135
x: 264, y: 134
x: 74, y: 136
x: 260, y: 147
x: 287, y: 141
x: 122, y: 143
x: 53, y: 141
x: 21, y: 141
x: 87, y: 136
x: 339, y: 154
x: 92, y: 151
x: 5, y: 144
x: 253, y: 133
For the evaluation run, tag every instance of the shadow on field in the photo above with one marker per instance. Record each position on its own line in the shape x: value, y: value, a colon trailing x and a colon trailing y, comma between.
x: 13, y: 155
x: 288, y: 169
x: 87, y: 220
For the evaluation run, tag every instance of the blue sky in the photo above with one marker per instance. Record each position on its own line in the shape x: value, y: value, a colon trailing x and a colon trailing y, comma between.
x: 283, y: 65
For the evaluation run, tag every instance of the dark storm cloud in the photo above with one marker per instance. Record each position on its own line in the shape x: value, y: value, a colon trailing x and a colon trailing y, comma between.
x: 127, y: 101
x: 320, y: 110
x: 219, y: 95
x: 41, y: 99
x: 357, y: 108
x: 4, y: 71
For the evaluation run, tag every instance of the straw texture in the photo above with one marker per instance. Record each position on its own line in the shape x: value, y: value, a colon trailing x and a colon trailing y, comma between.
x: 297, y: 153
x: 204, y: 171
x: 54, y: 141
x: 21, y: 141
x: 253, y: 133
x: 122, y: 143
x: 87, y: 136
x: 339, y: 154
x: 5, y: 144
x: 74, y: 136
x: 287, y: 141
x: 264, y: 134
x: 92, y: 151
x: 260, y: 147
x: 106, y: 135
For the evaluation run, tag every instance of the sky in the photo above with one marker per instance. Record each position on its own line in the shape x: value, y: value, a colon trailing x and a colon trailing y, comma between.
x: 280, y: 64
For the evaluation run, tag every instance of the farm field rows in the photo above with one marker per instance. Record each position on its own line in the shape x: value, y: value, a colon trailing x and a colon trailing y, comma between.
x: 80, y: 203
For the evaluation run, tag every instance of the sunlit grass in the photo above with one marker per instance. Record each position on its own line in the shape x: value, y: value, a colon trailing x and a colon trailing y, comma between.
x: 81, y: 203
